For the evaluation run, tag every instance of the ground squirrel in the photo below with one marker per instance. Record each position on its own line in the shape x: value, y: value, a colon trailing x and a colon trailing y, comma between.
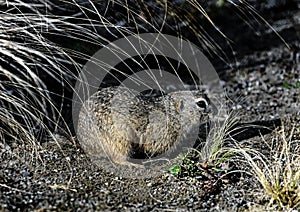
x: 119, y: 123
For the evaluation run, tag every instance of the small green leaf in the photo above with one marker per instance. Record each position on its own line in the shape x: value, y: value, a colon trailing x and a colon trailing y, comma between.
x: 286, y: 85
x: 174, y: 170
x: 217, y: 169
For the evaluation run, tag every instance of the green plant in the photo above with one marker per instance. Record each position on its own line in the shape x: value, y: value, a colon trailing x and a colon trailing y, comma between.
x: 290, y: 86
x: 191, y: 166
x: 174, y: 170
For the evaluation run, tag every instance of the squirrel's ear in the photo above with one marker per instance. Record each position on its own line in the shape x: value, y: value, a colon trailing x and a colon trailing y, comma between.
x: 179, y: 105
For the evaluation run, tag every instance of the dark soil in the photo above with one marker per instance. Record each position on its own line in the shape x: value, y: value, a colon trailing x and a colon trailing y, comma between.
x: 58, y: 176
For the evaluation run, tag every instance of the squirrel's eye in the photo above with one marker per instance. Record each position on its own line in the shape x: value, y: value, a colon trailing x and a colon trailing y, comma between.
x: 202, y: 103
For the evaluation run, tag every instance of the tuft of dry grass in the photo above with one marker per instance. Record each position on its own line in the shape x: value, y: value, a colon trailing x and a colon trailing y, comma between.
x: 29, y: 65
x: 214, y: 150
x: 279, y: 171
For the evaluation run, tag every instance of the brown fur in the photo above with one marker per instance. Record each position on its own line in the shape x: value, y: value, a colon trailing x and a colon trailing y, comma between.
x: 113, y: 121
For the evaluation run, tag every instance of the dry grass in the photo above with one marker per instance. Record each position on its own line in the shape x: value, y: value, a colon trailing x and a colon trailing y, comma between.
x: 214, y: 150
x: 28, y: 62
x: 279, y: 171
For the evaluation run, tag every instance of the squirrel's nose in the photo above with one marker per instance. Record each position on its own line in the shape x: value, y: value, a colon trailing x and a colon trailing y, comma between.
x: 208, y: 109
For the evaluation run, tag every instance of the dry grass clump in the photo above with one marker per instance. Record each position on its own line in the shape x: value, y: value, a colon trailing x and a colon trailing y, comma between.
x: 278, y: 171
x: 29, y: 65
x: 217, y: 146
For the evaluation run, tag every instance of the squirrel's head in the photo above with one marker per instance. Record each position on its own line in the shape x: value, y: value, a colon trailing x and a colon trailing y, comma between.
x: 191, y: 100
